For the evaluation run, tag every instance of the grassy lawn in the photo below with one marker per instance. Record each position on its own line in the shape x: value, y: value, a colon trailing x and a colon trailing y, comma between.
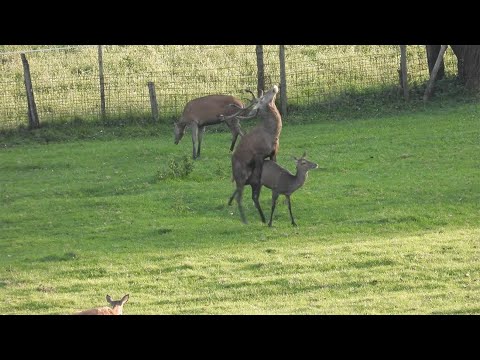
x: 388, y: 224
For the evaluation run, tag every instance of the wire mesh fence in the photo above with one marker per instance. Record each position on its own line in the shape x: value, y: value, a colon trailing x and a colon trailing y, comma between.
x: 66, y: 81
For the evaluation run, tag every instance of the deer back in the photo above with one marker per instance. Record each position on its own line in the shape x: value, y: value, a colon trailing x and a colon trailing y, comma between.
x: 99, y: 311
x: 206, y: 110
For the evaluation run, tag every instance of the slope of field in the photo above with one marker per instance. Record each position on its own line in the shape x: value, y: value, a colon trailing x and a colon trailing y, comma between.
x: 388, y: 224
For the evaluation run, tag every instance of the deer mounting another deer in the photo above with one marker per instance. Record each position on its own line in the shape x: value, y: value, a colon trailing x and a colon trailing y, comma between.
x: 116, y: 309
x: 261, y: 142
x: 209, y: 110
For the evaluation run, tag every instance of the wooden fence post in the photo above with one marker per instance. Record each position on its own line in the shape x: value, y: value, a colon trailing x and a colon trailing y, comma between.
x: 153, y: 101
x: 102, y: 81
x: 283, y: 82
x: 403, y: 69
x: 260, y: 70
x: 33, y: 121
x: 429, y: 89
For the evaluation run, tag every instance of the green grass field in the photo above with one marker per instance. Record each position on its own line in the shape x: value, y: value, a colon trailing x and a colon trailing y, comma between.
x: 388, y: 224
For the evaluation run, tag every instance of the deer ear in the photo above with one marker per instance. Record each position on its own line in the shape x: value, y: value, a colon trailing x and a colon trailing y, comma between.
x: 125, y: 299
x: 109, y: 299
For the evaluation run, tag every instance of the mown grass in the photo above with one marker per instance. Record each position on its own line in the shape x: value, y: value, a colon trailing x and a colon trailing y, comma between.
x: 387, y: 225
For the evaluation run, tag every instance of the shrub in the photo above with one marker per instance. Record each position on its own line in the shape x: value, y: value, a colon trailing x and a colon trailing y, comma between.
x: 177, y: 168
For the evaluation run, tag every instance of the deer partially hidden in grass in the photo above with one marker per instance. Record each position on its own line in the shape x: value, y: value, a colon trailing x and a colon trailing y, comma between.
x: 116, y: 309
x: 261, y: 142
x: 282, y: 182
x: 210, y: 110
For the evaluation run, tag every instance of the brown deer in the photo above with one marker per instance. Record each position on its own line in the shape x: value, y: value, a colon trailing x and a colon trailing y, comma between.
x: 210, y: 110
x: 261, y: 142
x: 281, y: 181
x: 117, y: 307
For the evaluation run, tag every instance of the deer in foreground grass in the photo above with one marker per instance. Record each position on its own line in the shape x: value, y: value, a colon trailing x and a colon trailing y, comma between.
x: 281, y: 181
x: 210, y: 110
x: 117, y: 308
x: 261, y: 142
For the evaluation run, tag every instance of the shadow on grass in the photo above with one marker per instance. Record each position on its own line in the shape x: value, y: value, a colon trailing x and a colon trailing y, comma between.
x: 380, y: 101
x: 54, y: 258
x: 352, y: 104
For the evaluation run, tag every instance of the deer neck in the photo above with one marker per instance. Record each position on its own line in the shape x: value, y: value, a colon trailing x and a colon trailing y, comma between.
x: 300, y: 178
x: 117, y: 310
x: 272, y: 120
x: 182, y: 123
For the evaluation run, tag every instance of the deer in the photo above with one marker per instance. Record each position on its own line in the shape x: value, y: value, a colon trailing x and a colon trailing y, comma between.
x: 117, y: 307
x: 261, y: 142
x: 282, y: 182
x: 209, y: 110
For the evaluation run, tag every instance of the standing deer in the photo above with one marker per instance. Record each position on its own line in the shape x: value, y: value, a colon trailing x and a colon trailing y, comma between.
x: 210, y: 110
x: 261, y: 142
x: 281, y: 181
x: 117, y: 307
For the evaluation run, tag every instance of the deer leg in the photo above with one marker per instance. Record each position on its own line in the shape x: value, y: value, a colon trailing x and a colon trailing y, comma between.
x: 235, y: 128
x: 256, y: 184
x: 290, y: 210
x: 194, y: 138
x: 239, y: 193
x: 255, y: 195
x: 201, y: 131
x: 274, y: 202
x: 231, y: 197
x: 234, y: 140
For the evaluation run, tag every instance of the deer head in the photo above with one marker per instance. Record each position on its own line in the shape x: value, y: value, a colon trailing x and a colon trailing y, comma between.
x: 179, y: 131
x: 117, y: 305
x: 256, y: 104
x: 304, y: 164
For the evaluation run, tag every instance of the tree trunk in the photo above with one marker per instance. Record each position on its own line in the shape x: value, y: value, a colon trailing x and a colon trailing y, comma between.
x: 468, y: 65
x: 458, y: 51
x: 429, y: 90
x: 432, y: 55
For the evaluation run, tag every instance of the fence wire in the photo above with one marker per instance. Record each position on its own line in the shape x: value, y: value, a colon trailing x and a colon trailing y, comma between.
x: 66, y: 81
